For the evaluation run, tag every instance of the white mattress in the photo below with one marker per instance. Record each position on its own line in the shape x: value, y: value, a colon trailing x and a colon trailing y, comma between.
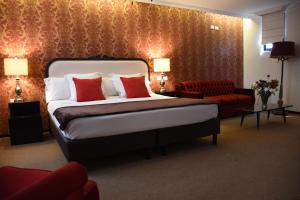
x: 100, y: 126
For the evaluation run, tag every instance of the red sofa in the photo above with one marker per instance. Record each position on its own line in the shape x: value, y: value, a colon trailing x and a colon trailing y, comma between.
x: 69, y: 182
x: 222, y: 90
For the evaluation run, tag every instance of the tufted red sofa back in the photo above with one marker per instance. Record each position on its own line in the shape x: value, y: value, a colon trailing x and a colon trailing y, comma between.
x: 207, y: 87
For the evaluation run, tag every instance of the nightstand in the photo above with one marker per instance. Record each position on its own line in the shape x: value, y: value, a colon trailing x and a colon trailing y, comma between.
x: 25, y: 123
x: 168, y: 93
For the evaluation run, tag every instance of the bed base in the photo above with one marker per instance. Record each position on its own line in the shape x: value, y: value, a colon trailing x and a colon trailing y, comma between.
x: 88, y: 149
x: 178, y: 134
x: 92, y: 148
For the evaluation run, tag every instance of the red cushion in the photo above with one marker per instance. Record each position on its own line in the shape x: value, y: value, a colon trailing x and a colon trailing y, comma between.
x: 236, y: 99
x: 88, y: 89
x: 244, y: 99
x: 91, y: 191
x: 68, y: 182
x: 13, y: 179
x: 60, y: 184
x: 224, y: 99
x: 135, y: 87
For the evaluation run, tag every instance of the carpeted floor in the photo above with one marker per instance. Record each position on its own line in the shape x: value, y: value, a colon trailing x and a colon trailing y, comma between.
x: 246, y: 164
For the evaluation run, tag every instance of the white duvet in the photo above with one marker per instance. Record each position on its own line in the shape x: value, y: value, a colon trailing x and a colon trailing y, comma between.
x: 100, y: 126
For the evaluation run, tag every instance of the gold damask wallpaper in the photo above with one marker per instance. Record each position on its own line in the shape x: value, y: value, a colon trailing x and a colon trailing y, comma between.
x: 41, y: 30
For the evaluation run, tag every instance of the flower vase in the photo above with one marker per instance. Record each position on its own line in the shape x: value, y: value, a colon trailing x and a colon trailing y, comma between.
x: 264, y: 100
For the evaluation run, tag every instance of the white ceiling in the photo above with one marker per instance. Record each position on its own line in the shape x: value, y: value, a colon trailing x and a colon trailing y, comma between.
x: 244, y: 8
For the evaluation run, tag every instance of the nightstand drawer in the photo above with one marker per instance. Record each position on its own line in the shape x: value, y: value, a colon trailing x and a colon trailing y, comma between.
x: 24, y: 108
x: 25, y: 129
x: 25, y: 123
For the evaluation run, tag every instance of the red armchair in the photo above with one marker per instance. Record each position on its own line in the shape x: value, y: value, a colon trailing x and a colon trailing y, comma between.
x: 69, y: 182
x: 223, y: 91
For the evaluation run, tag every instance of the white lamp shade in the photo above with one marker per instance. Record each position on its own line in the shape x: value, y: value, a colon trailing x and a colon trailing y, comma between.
x: 15, y: 66
x: 161, y: 65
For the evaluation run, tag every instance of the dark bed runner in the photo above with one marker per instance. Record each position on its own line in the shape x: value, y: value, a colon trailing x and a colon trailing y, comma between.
x: 65, y: 114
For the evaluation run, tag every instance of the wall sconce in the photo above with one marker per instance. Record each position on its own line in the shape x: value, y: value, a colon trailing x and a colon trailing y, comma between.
x: 162, y: 65
x: 16, y: 67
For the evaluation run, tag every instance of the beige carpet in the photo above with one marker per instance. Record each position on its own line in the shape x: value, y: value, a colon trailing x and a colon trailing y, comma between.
x: 246, y: 164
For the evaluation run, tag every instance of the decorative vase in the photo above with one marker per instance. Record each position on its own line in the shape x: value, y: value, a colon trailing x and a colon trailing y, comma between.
x: 264, y: 99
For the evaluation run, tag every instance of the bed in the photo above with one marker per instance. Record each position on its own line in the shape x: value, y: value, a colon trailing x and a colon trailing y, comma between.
x: 98, y: 136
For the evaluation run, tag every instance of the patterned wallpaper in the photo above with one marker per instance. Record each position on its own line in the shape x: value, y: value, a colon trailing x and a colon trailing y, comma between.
x: 42, y: 30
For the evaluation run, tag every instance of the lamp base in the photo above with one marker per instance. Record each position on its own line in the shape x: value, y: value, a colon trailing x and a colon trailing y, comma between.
x: 18, y: 90
x: 18, y: 99
x: 162, y: 90
x: 162, y: 83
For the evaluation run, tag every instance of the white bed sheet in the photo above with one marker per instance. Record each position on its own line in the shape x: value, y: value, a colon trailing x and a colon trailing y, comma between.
x: 100, y: 126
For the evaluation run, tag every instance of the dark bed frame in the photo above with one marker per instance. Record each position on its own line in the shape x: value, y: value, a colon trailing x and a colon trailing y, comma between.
x: 87, y: 149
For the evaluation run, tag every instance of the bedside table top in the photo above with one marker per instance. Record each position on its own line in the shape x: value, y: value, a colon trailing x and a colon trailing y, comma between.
x: 171, y: 93
x: 25, y: 102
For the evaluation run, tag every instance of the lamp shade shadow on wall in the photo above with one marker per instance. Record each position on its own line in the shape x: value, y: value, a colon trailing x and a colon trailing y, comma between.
x: 45, y: 30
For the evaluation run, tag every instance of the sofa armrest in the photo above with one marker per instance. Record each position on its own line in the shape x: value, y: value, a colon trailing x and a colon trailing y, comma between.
x: 248, y: 92
x: 68, y: 180
x: 189, y: 94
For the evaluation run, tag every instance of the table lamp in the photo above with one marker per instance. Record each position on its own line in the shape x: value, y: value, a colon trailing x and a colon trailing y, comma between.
x: 282, y: 51
x: 162, y: 65
x: 16, y: 67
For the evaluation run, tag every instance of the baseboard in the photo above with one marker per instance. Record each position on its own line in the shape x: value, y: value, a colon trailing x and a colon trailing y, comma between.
x: 7, y: 135
x: 4, y: 135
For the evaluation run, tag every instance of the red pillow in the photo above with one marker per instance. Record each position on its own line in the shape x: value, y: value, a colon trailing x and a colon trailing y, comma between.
x: 88, y: 89
x: 135, y: 87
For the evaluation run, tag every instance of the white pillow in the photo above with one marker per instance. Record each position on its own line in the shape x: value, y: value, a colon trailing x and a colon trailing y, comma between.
x: 108, y: 87
x: 119, y: 85
x: 56, y: 89
x: 148, y: 86
x: 72, y: 88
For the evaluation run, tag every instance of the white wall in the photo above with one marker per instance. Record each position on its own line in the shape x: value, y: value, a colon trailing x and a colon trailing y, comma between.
x: 257, y: 65
x: 293, y: 66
